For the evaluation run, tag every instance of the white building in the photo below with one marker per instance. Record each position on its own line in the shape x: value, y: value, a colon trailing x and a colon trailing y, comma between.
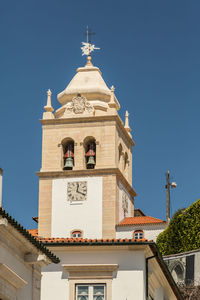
x: 21, y: 259
x: 139, y: 227
x: 86, y: 201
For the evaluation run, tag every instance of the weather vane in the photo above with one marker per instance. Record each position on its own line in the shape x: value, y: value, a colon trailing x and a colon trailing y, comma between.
x: 87, y: 47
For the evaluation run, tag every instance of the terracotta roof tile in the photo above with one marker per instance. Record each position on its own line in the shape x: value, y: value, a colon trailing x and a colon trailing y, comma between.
x: 82, y: 241
x: 33, y: 232
x: 141, y: 220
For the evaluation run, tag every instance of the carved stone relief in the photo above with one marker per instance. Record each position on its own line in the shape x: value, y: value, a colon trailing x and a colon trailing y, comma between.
x: 125, y: 202
x: 79, y: 105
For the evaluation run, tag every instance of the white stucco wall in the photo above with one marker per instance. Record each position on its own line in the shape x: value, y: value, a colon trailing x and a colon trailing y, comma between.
x: 84, y: 215
x: 122, y: 189
x: 128, y: 281
x: 13, y: 262
x: 151, y: 232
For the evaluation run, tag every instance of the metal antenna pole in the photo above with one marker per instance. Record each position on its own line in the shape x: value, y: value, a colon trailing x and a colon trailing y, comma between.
x: 168, y: 197
x: 169, y: 185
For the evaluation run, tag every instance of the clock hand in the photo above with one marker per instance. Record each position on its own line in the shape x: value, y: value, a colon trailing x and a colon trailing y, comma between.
x: 77, y: 187
x: 81, y: 193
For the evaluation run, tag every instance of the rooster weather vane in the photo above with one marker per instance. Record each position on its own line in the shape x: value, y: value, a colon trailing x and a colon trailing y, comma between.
x: 87, y: 47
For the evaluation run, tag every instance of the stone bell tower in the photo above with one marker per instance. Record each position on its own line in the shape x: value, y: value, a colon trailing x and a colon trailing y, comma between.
x: 85, y: 181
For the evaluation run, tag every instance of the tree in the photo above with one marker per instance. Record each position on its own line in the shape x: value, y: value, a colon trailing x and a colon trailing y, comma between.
x: 190, y: 292
x: 183, y: 232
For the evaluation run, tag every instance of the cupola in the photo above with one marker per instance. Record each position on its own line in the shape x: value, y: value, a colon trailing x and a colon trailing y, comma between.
x: 87, y: 93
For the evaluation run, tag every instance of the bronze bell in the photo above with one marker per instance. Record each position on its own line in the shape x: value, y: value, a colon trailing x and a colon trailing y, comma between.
x: 68, y: 164
x: 90, y: 162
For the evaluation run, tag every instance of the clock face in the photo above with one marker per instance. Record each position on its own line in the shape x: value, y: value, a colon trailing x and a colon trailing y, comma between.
x: 77, y: 191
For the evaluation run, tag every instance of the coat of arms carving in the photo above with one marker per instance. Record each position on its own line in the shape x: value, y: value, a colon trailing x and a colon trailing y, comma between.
x: 80, y: 105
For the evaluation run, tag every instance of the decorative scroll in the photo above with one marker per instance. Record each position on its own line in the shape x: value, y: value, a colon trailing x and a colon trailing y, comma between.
x: 80, y: 105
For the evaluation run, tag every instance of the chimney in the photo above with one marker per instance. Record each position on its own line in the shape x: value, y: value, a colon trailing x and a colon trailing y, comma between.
x: 1, y: 178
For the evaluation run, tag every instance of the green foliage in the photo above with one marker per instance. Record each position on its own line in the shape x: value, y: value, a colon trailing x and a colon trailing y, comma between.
x: 183, y: 232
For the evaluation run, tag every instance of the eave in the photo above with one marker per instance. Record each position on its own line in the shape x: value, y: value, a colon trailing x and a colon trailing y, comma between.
x: 39, y: 245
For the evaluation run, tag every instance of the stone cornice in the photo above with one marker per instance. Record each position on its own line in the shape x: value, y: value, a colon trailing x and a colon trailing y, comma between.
x: 10, y: 276
x: 91, y: 119
x: 91, y: 271
x: 90, y: 267
x: 88, y: 172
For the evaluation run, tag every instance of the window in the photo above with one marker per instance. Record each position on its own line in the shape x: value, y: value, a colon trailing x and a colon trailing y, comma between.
x: 138, y: 234
x: 90, y: 292
x: 76, y: 234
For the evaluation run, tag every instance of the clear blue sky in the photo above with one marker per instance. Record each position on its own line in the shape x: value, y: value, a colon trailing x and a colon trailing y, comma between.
x: 150, y: 52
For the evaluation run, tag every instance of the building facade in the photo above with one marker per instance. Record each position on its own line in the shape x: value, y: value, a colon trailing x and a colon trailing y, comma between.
x: 21, y: 260
x: 86, y: 201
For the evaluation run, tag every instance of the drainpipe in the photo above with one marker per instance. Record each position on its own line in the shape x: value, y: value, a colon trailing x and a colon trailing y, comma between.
x: 147, y: 277
x: 1, y: 178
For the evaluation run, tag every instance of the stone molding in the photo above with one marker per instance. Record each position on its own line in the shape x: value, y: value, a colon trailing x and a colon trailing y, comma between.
x: 90, y: 270
x: 10, y: 276
x: 4, y: 222
x: 91, y: 267
x: 40, y: 259
x: 88, y: 172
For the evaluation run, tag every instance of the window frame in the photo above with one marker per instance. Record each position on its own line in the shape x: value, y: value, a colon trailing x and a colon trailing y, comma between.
x: 90, y: 290
x: 138, y: 232
x: 75, y: 231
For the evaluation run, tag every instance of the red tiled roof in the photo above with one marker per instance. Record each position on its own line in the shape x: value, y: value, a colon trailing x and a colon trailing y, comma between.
x: 87, y: 241
x: 141, y: 220
x: 33, y: 232
x: 82, y: 241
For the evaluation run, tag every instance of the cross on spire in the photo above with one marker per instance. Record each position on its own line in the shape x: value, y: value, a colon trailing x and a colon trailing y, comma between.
x: 87, y: 47
x: 89, y: 34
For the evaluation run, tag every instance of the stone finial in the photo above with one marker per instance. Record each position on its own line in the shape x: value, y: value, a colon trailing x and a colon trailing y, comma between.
x: 49, y: 109
x: 112, y: 97
x: 126, y: 126
x: 89, y: 61
x: 112, y: 88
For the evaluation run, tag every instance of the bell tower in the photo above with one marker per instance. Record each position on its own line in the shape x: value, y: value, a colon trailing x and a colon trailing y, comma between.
x: 85, y: 181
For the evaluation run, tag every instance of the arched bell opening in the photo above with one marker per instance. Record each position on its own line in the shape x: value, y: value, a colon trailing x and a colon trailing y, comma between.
x: 125, y: 161
x: 120, y: 156
x: 126, y: 165
x: 90, y: 153
x: 68, y: 154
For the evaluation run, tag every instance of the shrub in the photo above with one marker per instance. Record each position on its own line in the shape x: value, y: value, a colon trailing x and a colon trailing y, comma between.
x: 183, y: 232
